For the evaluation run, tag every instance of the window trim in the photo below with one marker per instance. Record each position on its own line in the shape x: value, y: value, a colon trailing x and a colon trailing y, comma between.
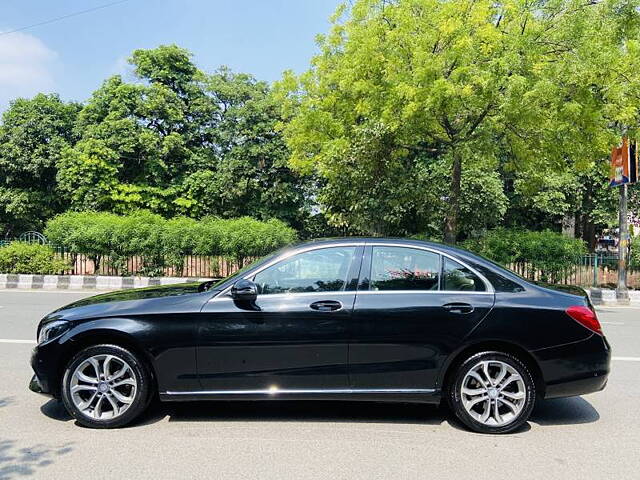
x: 489, y: 287
x: 348, y: 276
x: 290, y: 254
x: 442, y: 267
x: 366, y: 253
x: 370, y: 271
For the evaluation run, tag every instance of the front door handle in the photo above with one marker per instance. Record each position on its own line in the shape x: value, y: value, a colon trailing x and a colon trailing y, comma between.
x: 459, y: 308
x: 326, y: 306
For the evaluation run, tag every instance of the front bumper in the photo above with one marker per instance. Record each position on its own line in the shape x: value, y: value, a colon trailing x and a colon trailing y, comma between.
x: 44, y: 363
x: 35, y: 386
x: 576, y: 368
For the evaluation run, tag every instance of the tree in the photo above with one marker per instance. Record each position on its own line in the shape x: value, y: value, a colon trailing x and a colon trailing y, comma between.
x: 250, y: 175
x: 469, y: 83
x: 181, y: 141
x: 33, y: 134
x: 579, y: 200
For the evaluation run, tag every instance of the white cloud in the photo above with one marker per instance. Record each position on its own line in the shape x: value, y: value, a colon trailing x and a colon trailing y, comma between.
x: 25, y: 67
x: 122, y: 67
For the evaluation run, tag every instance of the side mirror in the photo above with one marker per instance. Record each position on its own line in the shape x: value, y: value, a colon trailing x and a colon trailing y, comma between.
x: 244, y: 290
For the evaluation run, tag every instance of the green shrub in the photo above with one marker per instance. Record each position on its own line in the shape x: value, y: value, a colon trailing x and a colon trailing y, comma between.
x: 18, y: 257
x: 162, y: 242
x: 634, y: 258
x: 548, y: 254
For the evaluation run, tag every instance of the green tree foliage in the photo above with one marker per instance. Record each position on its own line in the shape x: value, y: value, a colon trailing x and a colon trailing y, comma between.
x: 634, y: 257
x: 33, y: 133
x: 18, y: 257
x: 180, y: 141
x: 545, y: 255
x: 163, y: 242
x: 582, y: 199
x: 548, y: 85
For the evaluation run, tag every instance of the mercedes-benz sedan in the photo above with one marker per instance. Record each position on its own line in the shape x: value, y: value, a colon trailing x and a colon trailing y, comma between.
x: 358, y: 319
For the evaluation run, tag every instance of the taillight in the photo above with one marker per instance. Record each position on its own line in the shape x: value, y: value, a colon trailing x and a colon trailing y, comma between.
x: 586, y: 317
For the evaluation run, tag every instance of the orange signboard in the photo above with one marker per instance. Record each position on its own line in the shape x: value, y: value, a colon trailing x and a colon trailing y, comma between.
x: 620, y: 164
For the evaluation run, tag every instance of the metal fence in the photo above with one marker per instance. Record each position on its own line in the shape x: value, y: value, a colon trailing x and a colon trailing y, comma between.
x: 592, y: 270
x: 187, y: 266
x: 190, y: 265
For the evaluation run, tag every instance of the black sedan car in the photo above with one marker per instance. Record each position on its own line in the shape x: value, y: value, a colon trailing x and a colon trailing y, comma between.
x: 358, y: 319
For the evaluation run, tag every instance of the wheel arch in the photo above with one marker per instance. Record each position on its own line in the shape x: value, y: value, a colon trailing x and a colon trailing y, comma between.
x: 458, y: 357
x: 104, y: 336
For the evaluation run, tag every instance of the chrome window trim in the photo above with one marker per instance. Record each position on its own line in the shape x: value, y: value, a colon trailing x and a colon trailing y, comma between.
x: 276, y: 391
x: 448, y: 292
x: 487, y: 284
x: 489, y: 288
x: 310, y: 248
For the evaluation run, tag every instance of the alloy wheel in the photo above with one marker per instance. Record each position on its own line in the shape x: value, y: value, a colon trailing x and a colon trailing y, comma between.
x: 103, y: 387
x: 493, y: 393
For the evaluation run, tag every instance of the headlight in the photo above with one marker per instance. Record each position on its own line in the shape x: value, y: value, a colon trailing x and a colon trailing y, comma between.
x: 52, y: 330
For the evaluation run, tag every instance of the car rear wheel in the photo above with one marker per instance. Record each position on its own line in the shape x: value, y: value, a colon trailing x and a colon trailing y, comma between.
x: 492, y: 392
x: 105, y: 386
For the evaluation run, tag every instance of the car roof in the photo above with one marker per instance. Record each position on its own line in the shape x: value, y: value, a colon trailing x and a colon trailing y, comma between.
x: 382, y: 240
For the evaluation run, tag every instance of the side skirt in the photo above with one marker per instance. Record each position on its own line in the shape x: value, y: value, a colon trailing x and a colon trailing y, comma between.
x: 420, y: 395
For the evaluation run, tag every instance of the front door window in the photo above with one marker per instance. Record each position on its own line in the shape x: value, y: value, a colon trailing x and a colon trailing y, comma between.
x: 322, y: 270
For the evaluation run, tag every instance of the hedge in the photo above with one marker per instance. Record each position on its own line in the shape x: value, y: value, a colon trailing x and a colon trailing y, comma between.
x: 546, y: 255
x: 163, y: 242
x: 634, y: 258
x: 18, y: 257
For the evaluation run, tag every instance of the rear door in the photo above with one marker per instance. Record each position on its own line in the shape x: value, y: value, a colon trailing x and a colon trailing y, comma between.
x: 413, y: 307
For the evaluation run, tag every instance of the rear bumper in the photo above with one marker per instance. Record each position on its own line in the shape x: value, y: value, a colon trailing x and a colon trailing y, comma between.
x: 576, y: 368
x: 577, y: 387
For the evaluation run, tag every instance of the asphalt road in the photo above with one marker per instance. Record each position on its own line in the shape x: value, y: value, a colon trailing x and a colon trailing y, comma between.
x: 595, y: 436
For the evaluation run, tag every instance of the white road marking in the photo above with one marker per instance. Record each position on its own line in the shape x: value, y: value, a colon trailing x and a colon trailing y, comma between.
x: 612, y: 323
x: 626, y: 359
x: 15, y: 340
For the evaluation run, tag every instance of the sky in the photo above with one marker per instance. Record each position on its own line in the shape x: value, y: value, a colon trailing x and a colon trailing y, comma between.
x: 73, y: 56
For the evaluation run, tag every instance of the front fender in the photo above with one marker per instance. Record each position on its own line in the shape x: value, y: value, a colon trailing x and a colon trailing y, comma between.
x: 166, y: 343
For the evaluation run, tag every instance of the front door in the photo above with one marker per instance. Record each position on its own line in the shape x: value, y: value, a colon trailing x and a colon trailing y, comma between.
x: 294, y: 338
x: 413, y: 307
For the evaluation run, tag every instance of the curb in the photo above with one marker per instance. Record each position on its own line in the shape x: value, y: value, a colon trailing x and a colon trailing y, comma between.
x: 607, y: 297
x: 86, y: 282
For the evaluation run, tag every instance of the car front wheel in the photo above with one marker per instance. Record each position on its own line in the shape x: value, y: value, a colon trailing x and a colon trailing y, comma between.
x: 105, y: 386
x: 492, y: 392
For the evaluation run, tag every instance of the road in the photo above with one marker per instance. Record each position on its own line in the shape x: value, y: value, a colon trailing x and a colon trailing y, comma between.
x: 595, y: 436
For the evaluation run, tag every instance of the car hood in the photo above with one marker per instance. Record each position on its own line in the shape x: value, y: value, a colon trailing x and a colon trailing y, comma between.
x: 165, y: 298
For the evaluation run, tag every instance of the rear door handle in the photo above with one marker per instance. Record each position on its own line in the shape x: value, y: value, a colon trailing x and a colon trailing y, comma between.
x: 459, y: 308
x: 326, y: 306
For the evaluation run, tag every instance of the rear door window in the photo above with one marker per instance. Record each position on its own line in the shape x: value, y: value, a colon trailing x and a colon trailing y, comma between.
x: 404, y: 268
x: 457, y: 277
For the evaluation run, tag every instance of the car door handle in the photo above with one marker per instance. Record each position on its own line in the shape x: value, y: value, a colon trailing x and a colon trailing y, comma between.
x: 326, y: 306
x: 459, y: 308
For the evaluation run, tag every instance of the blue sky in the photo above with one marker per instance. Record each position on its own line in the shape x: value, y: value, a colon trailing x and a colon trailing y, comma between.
x: 73, y: 56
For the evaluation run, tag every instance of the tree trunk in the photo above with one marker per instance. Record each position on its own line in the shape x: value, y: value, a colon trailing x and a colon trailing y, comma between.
x: 451, y: 220
x: 569, y: 225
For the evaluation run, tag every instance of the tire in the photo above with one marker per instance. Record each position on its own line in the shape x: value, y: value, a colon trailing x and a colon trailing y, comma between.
x: 508, y: 387
x: 111, y: 402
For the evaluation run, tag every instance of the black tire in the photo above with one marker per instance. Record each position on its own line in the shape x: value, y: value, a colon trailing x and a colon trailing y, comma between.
x: 142, y: 394
x: 455, y: 399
